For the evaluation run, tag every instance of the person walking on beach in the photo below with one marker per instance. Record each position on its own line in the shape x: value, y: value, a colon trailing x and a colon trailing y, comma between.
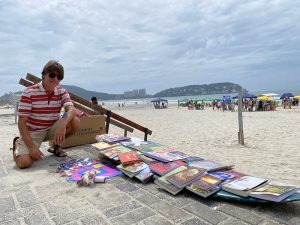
x: 39, y: 117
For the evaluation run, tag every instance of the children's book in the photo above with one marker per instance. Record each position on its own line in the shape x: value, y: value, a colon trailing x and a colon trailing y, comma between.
x: 209, y: 165
x: 186, y: 176
x: 132, y: 170
x: 128, y: 157
x: 206, y: 182
x: 113, y: 152
x: 227, y: 175
x: 145, y: 175
x: 162, y: 168
x: 244, y: 185
x: 146, y: 159
x: 274, y: 192
x: 103, y: 145
x: 111, y: 138
x: 164, y: 184
x: 201, y: 192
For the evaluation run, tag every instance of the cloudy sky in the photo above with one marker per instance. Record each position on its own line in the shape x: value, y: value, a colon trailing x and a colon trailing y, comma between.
x: 116, y: 46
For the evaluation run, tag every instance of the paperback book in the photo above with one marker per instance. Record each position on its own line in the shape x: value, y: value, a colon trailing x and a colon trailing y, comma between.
x: 142, y: 146
x: 162, y: 168
x: 274, y: 192
x: 113, y: 152
x: 163, y: 156
x: 201, y: 192
x: 111, y: 138
x: 244, y: 185
x: 206, y: 182
x: 146, y: 159
x: 191, y: 159
x: 209, y: 165
x: 128, y: 157
x: 185, y: 177
x: 145, y: 175
x: 132, y: 170
x: 103, y: 145
x: 164, y: 184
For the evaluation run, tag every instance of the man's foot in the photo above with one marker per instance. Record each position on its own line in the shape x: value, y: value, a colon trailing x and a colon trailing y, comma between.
x: 57, y: 151
x: 15, y: 143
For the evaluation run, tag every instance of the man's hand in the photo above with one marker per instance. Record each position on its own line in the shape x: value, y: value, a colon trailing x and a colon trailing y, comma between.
x: 60, y: 135
x: 36, y: 154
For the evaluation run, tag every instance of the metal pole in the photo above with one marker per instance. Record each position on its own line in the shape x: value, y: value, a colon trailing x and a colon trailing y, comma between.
x: 240, y: 116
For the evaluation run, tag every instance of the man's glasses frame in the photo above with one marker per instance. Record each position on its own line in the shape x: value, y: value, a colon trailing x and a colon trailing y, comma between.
x: 53, y: 75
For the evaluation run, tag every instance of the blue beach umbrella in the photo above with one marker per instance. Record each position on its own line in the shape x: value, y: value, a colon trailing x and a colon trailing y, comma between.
x: 286, y: 95
x: 246, y: 95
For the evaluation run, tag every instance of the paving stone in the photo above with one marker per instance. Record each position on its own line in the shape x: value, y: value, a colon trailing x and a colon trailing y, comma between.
x: 243, y: 214
x: 109, y: 200
x: 295, y: 220
x: 126, y: 187
x: 133, y: 216
x: 127, y: 207
x: 93, y: 219
x: 7, y: 205
x: 26, y: 198
x: 11, y: 222
x: 206, y: 213
x: 171, y: 212
x: 38, y: 218
x: 150, y: 187
x: 69, y: 217
x: 55, y: 208
x: 234, y: 221
x: 268, y: 222
x: 144, y: 197
x: 178, y: 200
x: 157, y: 220
x: 10, y: 216
x: 195, y: 221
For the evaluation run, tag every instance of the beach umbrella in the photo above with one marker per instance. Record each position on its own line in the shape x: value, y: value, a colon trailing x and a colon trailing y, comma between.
x: 265, y: 98
x: 246, y: 95
x: 270, y: 94
x: 297, y: 97
x: 286, y: 95
x: 158, y: 100
x: 226, y: 99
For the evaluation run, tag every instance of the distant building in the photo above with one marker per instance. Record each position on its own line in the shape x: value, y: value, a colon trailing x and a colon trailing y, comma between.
x: 136, y: 93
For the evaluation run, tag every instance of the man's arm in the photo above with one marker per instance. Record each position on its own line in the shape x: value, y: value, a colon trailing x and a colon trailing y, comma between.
x: 34, y: 152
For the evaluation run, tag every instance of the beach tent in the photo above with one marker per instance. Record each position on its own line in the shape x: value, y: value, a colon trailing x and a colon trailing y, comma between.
x: 246, y: 95
x: 265, y: 98
x: 160, y: 103
x: 270, y: 94
x: 286, y: 95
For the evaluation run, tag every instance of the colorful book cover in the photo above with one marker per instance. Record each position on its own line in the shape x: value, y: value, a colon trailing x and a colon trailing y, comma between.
x: 111, y: 138
x: 177, y: 155
x: 164, y: 168
x: 113, y: 152
x: 227, y: 174
x: 206, y: 182
x: 164, y: 184
x: 128, y: 157
x: 163, y: 156
x: 186, y: 176
x: 146, y: 159
x: 142, y: 146
x: 201, y: 192
x: 191, y: 159
x: 145, y: 175
x: 209, y: 165
x: 132, y: 170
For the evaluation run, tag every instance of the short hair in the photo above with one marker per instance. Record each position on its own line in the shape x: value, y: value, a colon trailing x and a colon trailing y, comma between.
x: 53, y: 66
x: 94, y: 99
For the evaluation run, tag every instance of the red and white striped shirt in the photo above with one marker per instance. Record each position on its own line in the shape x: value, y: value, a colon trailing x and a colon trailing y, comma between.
x: 42, y: 108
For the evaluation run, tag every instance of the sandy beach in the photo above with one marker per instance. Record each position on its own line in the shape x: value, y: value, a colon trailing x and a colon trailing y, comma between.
x: 271, y: 147
x: 272, y: 140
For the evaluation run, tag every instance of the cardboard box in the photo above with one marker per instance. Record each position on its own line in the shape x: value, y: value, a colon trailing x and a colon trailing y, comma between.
x: 89, y: 128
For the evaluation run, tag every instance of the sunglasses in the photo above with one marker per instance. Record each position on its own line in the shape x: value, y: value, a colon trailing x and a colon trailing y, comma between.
x: 53, y: 75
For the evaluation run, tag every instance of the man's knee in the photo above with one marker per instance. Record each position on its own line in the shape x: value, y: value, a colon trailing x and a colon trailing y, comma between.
x: 23, y: 161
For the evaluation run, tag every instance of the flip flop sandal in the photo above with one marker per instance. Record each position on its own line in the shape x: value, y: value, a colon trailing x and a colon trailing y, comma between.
x: 57, y: 151
x: 14, y: 143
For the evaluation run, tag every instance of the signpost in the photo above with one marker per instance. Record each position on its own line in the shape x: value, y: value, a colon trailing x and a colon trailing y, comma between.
x: 240, y: 116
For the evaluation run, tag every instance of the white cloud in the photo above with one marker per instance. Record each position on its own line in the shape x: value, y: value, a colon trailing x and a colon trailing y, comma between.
x: 114, y: 46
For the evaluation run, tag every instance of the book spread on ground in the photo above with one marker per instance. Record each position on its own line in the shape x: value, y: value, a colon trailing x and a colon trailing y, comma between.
x: 192, y: 159
x: 274, y: 192
x: 142, y: 146
x: 201, y: 192
x: 209, y: 165
x: 128, y: 157
x: 113, y: 152
x: 145, y: 175
x: 164, y: 184
x: 206, y: 182
x: 111, y: 138
x: 244, y: 185
x: 163, y: 156
x: 103, y: 145
x: 146, y: 159
x: 186, y: 176
x: 227, y: 175
x: 132, y: 170
x: 162, y: 168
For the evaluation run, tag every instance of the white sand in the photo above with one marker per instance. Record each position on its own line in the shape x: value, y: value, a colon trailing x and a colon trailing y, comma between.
x: 272, y: 139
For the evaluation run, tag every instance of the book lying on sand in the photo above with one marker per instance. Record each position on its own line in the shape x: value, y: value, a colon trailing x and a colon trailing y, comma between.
x: 209, y: 165
x: 162, y: 168
x: 111, y: 138
x: 103, y: 145
x: 206, y: 182
x: 146, y: 159
x: 201, y: 192
x: 113, y: 152
x: 164, y: 184
x: 185, y: 177
x: 274, y: 192
x: 145, y: 175
x: 227, y: 175
x: 132, y: 170
x: 244, y: 185
x: 167, y: 155
x: 191, y: 159
x: 128, y: 157
x: 142, y: 146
